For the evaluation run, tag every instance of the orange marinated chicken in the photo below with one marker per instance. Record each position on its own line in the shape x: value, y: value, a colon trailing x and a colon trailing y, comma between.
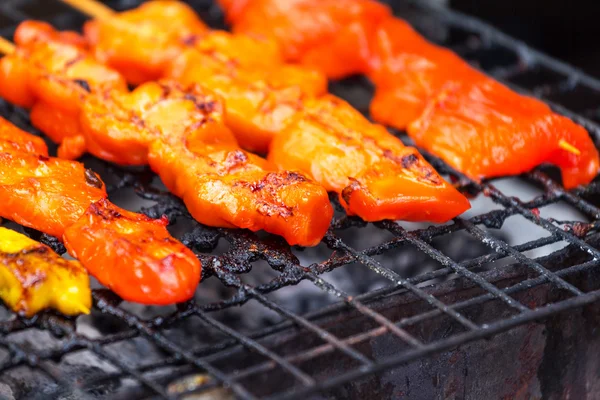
x: 408, y: 72
x: 140, y: 42
x: 260, y: 101
x: 33, y: 277
x: 180, y: 133
x: 63, y: 199
x: 261, y: 91
x: 51, y: 73
x: 375, y: 175
x: 405, y: 68
x: 456, y: 112
x: 331, y: 35
x: 487, y: 130
x: 46, y: 193
x: 12, y: 139
x: 133, y: 255
x: 141, y: 46
x: 263, y: 100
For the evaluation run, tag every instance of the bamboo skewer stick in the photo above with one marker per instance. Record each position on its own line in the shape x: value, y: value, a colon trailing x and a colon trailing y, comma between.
x: 6, y: 46
x: 91, y: 8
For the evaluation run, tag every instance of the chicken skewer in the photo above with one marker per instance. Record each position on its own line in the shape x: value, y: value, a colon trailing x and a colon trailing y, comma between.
x: 33, y: 277
x: 366, y: 167
x: 51, y: 74
x: 102, y: 12
x: 474, y: 123
x: 129, y: 253
x: 178, y: 130
x: 261, y: 91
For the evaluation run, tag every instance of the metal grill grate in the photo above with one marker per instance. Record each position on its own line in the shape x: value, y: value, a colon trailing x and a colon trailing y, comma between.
x: 196, y: 348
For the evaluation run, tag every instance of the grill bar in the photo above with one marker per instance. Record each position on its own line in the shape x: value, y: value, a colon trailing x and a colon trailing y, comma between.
x: 384, y: 322
x: 171, y: 347
x: 255, y: 346
x: 392, y: 276
x: 448, y: 344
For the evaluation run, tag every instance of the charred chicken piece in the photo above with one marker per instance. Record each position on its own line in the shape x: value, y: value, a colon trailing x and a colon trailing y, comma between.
x: 375, y: 175
x: 33, y: 278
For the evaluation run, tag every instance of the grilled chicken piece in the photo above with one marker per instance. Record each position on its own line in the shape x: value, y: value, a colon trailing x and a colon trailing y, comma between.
x: 12, y: 139
x: 46, y: 193
x: 474, y: 123
x: 486, y: 130
x: 330, y: 35
x: 180, y: 132
x: 129, y: 253
x: 33, y: 277
x: 456, y: 112
x: 134, y: 255
x: 140, y: 43
x: 260, y: 100
x: 408, y: 73
x: 52, y: 73
x: 375, y: 175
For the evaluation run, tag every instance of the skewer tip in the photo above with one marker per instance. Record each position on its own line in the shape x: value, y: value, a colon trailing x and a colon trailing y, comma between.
x: 91, y: 8
x: 6, y: 46
x: 566, y: 146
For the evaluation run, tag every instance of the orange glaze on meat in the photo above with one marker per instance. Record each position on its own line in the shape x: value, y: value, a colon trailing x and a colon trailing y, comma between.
x: 127, y: 252
x: 140, y: 42
x: 133, y: 255
x: 260, y: 99
x: 486, y: 130
x: 260, y: 90
x: 458, y: 113
x: 263, y: 96
x: 330, y: 35
x: 44, y: 193
x: 375, y: 175
x: 408, y: 71
x: 52, y: 73
x: 179, y: 131
x: 12, y: 139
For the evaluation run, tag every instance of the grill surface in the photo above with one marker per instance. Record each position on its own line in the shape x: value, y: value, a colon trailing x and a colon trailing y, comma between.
x: 436, y: 301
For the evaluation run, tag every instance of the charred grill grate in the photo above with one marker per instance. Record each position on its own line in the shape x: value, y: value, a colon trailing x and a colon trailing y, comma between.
x: 196, y: 348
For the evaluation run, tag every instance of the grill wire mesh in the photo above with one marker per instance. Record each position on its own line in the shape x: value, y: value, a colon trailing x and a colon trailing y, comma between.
x: 192, y: 348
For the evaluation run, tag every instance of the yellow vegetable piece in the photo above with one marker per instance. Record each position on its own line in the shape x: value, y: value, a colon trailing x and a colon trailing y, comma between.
x: 33, y: 277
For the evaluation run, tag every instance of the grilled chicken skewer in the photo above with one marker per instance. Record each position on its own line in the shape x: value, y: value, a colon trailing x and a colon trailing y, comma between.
x: 33, y: 277
x: 127, y: 252
x: 471, y: 121
x: 260, y: 90
x: 180, y: 133
x: 366, y: 166
x: 178, y: 130
x: 52, y: 74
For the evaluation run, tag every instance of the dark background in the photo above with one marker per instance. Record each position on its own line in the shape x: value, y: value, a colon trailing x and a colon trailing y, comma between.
x: 566, y: 29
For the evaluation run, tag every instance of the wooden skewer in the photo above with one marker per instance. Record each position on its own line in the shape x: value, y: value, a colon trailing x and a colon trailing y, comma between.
x: 563, y: 144
x: 6, y: 46
x: 91, y: 8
